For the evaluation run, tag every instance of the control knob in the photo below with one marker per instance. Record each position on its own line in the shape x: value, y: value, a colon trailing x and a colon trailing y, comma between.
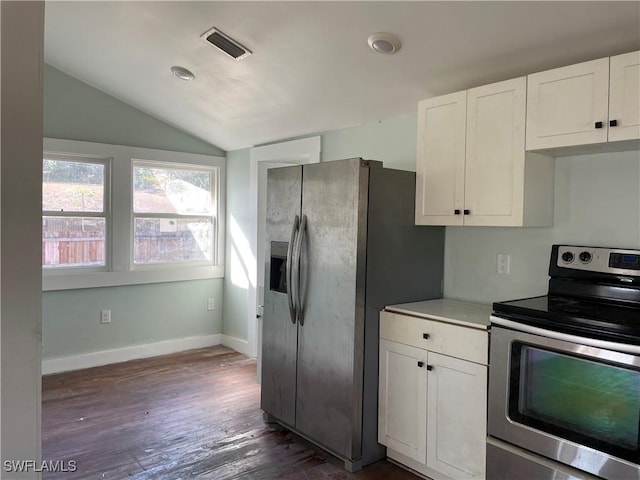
x: 567, y: 257
x: 585, y: 257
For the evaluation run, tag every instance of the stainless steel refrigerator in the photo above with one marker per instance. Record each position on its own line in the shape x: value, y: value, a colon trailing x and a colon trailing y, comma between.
x: 340, y: 245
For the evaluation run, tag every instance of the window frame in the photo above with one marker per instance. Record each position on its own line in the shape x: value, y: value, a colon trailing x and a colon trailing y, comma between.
x: 106, y: 212
x: 121, y: 268
x: 215, y: 215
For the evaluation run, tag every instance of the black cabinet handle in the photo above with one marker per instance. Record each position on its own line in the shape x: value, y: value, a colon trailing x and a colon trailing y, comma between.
x: 426, y: 336
x: 613, y: 123
x: 599, y: 125
x: 456, y: 211
x: 429, y: 367
x: 421, y: 364
x: 467, y: 212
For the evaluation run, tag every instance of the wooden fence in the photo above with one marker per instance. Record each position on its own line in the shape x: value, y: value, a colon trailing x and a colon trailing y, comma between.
x: 70, y: 250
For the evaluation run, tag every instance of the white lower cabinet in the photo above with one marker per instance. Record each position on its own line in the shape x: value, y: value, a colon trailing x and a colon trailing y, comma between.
x: 432, y: 406
x: 402, y: 408
x: 456, y: 417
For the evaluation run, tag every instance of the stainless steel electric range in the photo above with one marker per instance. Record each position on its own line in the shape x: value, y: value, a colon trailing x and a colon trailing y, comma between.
x: 564, y: 375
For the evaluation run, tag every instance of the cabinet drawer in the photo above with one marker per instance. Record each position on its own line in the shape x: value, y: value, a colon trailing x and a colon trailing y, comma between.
x: 453, y: 340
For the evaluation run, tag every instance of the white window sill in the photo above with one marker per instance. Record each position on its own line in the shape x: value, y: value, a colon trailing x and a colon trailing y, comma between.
x: 73, y: 281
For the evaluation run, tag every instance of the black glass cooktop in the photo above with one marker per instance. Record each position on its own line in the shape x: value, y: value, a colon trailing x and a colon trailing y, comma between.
x: 595, y: 319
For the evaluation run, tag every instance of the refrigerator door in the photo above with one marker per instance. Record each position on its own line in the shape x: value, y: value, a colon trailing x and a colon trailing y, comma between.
x: 280, y: 332
x: 331, y: 331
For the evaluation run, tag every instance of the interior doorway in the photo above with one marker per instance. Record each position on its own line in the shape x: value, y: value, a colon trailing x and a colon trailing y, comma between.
x: 295, y: 152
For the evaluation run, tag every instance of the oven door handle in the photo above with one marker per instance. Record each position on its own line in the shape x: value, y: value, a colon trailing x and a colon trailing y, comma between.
x: 593, y: 342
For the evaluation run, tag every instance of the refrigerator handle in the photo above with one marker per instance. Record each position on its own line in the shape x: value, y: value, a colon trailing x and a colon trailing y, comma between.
x: 289, y: 277
x: 296, y: 271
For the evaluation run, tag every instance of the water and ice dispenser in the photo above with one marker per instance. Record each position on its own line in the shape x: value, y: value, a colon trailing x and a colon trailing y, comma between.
x: 278, y: 274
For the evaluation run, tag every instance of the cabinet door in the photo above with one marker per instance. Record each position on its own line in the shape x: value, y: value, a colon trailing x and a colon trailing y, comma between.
x: 440, y: 160
x: 494, y: 171
x: 564, y: 104
x: 402, y: 406
x: 456, y: 417
x: 624, y: 97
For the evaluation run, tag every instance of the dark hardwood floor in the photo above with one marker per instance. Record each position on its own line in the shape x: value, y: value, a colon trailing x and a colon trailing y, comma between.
x: 188, y: 415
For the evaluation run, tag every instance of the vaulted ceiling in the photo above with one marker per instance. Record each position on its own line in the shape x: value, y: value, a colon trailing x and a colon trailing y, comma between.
x: 311, y: 69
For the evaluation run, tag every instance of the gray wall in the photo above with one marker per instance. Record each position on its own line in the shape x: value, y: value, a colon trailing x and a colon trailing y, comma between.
x: 22, y: 26
x: 597, y: 202
x: 140, y: 314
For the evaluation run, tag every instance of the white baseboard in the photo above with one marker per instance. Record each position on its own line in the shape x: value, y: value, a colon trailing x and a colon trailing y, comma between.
x: 105, y: 357
x: 238, y: 344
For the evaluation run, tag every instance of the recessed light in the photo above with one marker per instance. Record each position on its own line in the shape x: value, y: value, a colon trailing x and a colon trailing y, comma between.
x: 385, y: 43
x: 182, y: 73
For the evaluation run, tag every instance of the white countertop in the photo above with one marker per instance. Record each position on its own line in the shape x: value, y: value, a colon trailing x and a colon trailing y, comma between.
x: 474, y: 315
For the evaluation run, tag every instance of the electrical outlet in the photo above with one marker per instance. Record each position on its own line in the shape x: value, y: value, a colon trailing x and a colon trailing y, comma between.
x: 503, y: 263
x: 105, y: 316
x: 211, y: 304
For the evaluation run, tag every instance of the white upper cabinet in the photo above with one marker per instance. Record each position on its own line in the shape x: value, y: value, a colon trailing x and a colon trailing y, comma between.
x: 441, y: 159
x: 624, y: 97
x: 588, y: 103
x: 568, y: 106
x: 475, y: 155
x: 495, y: 153
x: 472, y: 168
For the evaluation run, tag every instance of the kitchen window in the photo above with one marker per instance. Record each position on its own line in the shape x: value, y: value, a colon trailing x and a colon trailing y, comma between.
x: 174, y: 214
x: 118, y: 215
x: 75, y: 213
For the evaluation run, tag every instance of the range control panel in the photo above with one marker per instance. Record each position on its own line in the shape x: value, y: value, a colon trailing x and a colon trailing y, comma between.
x: 598, y: 259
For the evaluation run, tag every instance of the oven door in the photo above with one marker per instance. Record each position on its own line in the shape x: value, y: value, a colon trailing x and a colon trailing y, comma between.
x: 565, y: 399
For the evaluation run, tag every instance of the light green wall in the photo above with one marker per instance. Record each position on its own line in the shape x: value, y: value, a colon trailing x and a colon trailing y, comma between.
x: 74, y: 110
x: 597, y: 202
x: 392, y: 141
x: 236, y: 281
x: 141, y: 314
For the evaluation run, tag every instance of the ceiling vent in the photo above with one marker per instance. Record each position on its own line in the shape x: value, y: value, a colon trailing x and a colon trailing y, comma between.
x: 225, y: 43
